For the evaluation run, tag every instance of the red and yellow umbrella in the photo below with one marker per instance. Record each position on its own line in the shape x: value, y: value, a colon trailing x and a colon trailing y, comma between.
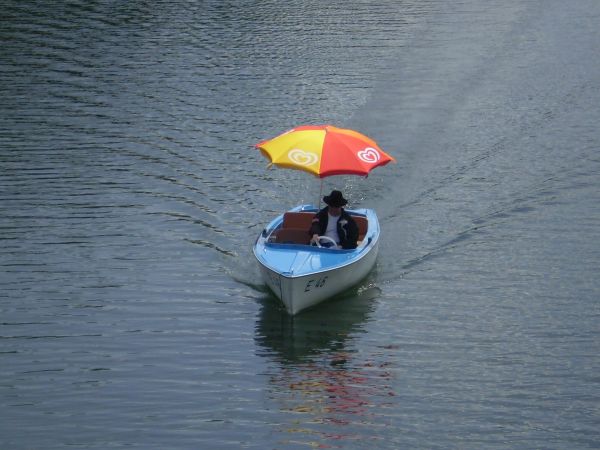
x: 324, y: 150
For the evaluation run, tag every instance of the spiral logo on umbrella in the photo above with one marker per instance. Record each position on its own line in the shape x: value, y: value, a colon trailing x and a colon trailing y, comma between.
x: 302, y: 157
x: 369, y: 155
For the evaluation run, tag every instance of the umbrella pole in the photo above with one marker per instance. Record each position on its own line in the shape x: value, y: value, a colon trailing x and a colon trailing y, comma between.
x: 320, y: 195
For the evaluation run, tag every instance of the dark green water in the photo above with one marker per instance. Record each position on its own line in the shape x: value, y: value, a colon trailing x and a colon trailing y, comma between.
x: 132, y: 314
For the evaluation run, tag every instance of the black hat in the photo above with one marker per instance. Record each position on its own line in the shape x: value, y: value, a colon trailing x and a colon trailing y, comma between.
x: 335, y: 199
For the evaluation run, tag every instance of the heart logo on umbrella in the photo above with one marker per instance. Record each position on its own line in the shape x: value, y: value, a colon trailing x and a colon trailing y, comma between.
x: 302, y: 157
x: 369, y: 155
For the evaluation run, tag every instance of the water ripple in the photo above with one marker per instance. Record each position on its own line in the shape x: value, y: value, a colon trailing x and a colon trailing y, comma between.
x: 131, y: 308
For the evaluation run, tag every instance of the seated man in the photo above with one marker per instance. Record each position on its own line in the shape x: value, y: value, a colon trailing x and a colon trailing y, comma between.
x: 332, y: 221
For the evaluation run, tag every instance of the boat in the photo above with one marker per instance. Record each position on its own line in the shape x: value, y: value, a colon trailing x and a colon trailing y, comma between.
x: 302, y: 275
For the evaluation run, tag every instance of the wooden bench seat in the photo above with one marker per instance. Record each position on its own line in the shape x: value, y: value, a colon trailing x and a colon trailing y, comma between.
x: 300, y: 220
x: 292, y: 236
x: 295, y: 227
x: 363, y: 225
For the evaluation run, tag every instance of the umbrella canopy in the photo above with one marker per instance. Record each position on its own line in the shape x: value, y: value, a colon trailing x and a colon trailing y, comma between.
x: 324, y: 150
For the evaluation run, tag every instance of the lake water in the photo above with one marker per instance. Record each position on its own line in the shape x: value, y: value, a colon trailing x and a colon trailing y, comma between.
x: 132, y: 314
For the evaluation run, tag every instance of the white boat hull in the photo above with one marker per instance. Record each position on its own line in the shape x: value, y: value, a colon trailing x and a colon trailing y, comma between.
x: 302, y: 292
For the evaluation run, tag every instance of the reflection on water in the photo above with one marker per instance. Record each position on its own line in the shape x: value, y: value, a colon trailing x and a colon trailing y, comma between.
x: 335, y: 391
x: 326, y: 328
x: 323, y: 388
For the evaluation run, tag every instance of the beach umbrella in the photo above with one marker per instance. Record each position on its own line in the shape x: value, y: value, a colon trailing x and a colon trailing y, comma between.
x: 324, y: 150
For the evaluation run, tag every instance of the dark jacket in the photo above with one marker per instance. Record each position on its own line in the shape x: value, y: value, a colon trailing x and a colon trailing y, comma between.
x: 346, y: 227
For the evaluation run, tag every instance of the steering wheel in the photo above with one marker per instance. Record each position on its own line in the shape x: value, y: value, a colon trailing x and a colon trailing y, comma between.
x: 327, y: 239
